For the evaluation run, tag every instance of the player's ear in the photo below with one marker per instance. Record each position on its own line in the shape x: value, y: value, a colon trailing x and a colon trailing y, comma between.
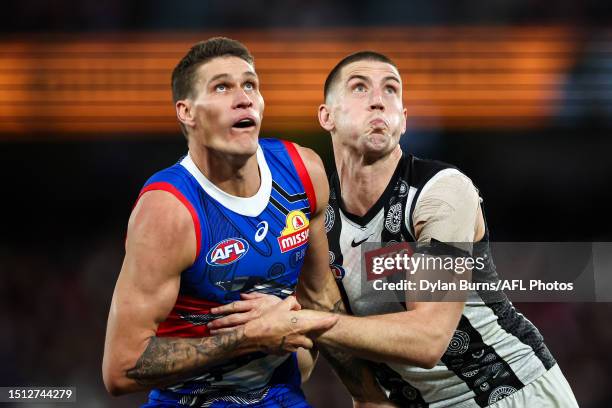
x: 325, y: 118
x: 405, y: 120
x: 185, y: 113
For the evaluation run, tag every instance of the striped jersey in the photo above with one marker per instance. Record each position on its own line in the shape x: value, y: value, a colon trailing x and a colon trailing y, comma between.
x: 494, y: 351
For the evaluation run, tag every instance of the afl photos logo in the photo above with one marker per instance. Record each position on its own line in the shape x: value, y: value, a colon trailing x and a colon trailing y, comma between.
x: 295, y: 233
x: 227, y: 252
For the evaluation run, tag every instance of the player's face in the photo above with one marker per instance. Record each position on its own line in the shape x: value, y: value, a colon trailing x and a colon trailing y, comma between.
x: 228, y: 107
x: 367, y: 109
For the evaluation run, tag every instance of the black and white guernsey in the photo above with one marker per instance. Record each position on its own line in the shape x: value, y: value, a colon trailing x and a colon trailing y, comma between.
x: 494, y: 351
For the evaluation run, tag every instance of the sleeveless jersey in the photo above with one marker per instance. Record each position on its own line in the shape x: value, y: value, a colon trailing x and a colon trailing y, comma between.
x: 254, y: 244
x: 494, y: 351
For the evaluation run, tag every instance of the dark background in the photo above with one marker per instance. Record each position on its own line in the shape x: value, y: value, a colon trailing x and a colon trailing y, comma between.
x: 66, y: 199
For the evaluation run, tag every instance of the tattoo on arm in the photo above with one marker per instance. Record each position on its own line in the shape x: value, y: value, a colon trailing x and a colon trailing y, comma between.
x: 170, y: 359
x: 355, y: 373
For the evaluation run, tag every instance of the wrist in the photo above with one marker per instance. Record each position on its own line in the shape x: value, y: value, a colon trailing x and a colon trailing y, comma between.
x: 251, y: 338
x: 325, y: 339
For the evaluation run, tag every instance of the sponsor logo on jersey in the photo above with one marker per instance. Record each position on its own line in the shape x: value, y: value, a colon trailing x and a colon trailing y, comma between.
x: 295, y: 233
x: 338, y: 271
x: 355, y: 244
x: 227, y: 251
x: 262, y: 231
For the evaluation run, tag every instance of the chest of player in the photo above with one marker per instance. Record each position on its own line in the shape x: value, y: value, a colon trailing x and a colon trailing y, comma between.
x: 241, y: 254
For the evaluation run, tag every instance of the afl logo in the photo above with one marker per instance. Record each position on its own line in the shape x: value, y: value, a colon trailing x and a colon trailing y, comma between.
x: 338, y: 271
x: 227, y: 252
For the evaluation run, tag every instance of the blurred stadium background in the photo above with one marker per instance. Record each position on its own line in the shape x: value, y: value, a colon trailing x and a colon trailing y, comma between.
x: 517, y: 93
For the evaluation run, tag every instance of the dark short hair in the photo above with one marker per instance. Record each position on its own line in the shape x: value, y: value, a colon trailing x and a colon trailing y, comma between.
x: 357, y: 56
x: 184, y: 74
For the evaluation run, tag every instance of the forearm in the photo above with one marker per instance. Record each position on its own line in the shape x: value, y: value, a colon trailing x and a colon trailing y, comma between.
x: 325, y: 300
x: 355, y: 373
x: 168, y: 360
x: 402, y: 337
x: 319, y: 292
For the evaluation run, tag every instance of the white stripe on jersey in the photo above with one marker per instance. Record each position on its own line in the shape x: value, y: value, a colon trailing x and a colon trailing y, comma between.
x: 439, y: 386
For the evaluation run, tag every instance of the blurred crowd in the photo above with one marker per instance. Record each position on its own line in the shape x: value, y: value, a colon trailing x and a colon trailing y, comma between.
x: 65, y: 204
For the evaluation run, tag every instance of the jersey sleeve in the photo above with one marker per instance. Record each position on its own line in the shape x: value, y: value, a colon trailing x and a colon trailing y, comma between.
x: 447, y: 209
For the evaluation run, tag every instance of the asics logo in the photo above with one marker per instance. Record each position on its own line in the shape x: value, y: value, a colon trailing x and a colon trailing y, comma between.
x: 262, y: 231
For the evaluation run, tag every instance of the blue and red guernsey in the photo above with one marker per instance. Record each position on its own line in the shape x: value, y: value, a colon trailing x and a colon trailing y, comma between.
x: 254, y: 244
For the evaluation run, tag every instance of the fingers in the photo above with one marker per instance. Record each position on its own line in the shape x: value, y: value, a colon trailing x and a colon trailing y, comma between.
x: 293, y: 342
x: 292, y: 303
x: 237, y: 306
x: 301, y: 341
x: 231, y: 320
x: 253, y: 295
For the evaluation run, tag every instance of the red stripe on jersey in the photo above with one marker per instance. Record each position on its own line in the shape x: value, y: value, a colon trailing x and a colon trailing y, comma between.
x: 181, y: 320
x: 164, y: 186
x: 303, y: 174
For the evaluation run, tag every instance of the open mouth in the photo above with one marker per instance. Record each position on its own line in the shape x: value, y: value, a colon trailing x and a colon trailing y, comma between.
x: 244, y: 123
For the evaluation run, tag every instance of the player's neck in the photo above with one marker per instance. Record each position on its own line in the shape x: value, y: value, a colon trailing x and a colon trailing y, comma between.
x: 363, y: 181
x: 236, y: 175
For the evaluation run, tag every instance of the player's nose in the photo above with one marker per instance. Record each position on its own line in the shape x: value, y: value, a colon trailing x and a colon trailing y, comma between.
x: 242, y: 99
x: 376, y: 100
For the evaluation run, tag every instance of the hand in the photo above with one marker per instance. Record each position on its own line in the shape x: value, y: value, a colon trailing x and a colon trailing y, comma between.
x: 240, y: 312
x: 282, y: 329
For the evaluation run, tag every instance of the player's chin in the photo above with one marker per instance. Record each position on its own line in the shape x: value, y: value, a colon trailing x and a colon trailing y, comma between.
x: 244, y: 140
x: 378, y: 143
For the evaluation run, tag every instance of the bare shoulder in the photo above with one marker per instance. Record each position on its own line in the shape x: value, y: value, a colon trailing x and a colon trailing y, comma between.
x: 313, y: 163
x: 161, y: 224
x: 159, y: 209
x: 316, y: 171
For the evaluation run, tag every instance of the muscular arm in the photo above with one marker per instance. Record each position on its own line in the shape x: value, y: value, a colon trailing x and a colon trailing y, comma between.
x: 317, y: 290
x: 160, y: 244
x: 420, y: 335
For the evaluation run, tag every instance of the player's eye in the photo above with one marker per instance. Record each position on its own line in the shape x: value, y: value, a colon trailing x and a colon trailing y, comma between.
x: 359, y: 88
x: 220, y: 88
x: 249, y: 86
x: 390, y: 90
